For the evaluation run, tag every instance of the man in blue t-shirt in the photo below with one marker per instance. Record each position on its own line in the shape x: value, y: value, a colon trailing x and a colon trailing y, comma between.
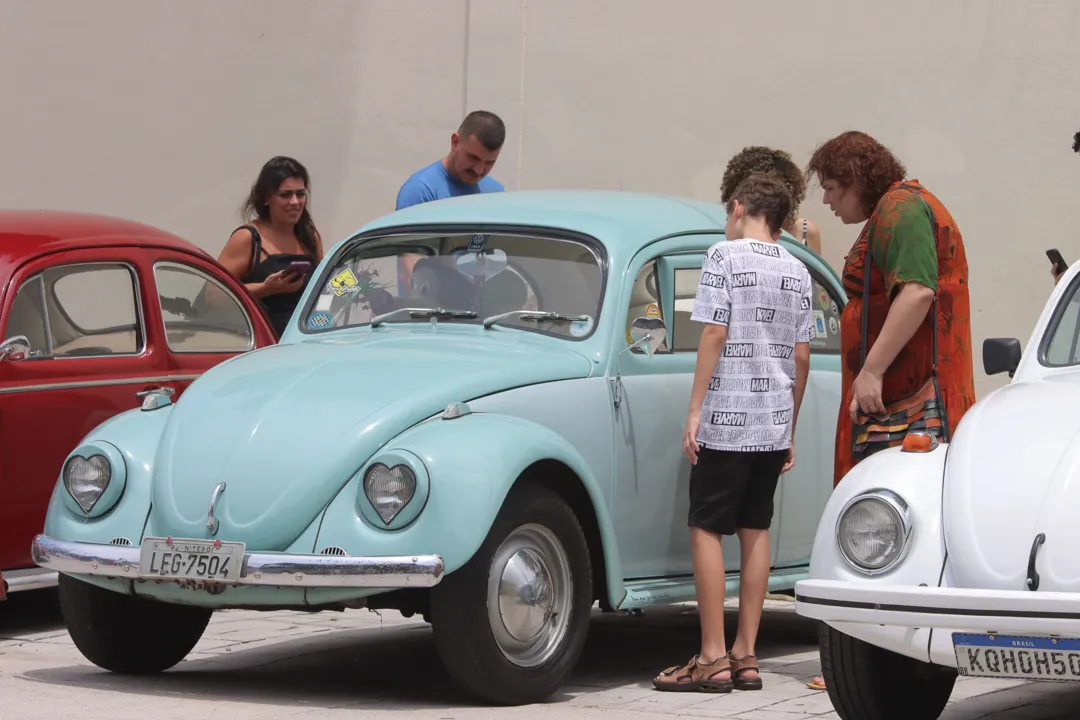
x: 474, y: 148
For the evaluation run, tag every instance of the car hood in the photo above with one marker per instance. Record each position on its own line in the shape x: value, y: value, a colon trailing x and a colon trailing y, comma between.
x: 1013, y: 472
x: 285, y: 427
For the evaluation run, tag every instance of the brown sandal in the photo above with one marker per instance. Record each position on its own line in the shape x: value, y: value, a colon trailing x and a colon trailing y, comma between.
x: 739, y: 666
x: 695, y: 676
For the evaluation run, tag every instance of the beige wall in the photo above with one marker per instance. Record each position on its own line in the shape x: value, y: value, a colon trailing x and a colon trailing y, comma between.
x: 164, y: 111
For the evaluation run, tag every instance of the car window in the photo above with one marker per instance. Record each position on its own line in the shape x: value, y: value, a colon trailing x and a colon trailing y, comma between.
x: 201, y: 315
x: 686, y: 333
x: 486, y: 274
x: 645, y: 301
x: 1062, y: 344
x: 79, y: 310
x: 27, y: 317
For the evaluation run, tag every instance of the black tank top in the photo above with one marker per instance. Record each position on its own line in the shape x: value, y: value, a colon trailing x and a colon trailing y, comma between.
x: 279, y: 307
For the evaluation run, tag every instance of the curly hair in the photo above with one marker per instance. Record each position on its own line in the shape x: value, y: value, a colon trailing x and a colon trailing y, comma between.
x: 763, y: 195
x: 855, y: 159
x: 766, y: 161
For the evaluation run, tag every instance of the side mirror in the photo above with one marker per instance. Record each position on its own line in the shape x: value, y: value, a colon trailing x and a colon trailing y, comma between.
x: 648, y: 333
x: 1001, y: 355
x: 15, y: 348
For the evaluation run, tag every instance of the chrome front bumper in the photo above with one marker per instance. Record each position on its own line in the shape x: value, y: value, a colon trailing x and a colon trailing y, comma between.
x: 957, y: 609
x: 270, y: 569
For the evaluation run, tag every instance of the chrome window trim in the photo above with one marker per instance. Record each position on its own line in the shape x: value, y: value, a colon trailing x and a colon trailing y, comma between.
x: 194, y: 270
x: 73, y: 384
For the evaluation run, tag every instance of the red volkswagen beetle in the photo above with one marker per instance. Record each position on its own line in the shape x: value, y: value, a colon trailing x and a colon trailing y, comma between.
x: 94, y: 312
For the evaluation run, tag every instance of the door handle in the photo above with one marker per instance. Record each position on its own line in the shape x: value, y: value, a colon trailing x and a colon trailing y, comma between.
x: 163, y: 390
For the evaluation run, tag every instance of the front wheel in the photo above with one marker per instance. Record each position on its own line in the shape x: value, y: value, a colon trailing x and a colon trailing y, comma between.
x: 510, y: 623
x: 125, y: 634
x: 865, y: 681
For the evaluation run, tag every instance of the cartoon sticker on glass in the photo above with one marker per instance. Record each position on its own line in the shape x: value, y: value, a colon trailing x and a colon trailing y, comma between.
x: 819, y: 323
x: 834, y: 326
x: 652, y: 310
x: 823, y: 298
x: 343, y: 282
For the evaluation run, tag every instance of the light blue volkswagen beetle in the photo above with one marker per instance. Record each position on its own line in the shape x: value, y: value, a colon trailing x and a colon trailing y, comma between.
x: 475, y: 414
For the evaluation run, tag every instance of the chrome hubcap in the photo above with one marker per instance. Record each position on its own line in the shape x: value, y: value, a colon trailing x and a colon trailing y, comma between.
x: 529, y: 596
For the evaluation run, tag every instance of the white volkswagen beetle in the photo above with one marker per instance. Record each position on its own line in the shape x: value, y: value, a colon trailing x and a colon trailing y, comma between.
x: 939, y: 560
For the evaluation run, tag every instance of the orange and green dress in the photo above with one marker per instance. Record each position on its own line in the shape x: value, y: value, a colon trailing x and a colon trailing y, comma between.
x: 907, y: 244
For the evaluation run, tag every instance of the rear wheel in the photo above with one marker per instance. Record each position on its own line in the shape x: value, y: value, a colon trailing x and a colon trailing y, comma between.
x: 125, y: 634
x: 510, y: 624
x: 865, y: 681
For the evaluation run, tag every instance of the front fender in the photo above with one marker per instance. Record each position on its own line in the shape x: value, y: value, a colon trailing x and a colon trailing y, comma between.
x: 472, y: 462
x: 917, y: 478
x: 135, y: 433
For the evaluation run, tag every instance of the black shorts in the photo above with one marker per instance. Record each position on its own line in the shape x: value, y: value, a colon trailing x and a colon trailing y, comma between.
x: 731, y: 489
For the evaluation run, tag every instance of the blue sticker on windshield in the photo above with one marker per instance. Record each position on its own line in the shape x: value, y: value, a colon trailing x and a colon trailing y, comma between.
x: 320, y: 320
x: 477, y: 243
x: 578, y: 328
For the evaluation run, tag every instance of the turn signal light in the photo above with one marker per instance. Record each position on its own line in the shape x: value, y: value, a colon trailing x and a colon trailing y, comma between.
x: 919, y: 442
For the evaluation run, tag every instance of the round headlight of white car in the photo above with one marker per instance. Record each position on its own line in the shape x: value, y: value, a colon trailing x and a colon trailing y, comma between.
x: 873, y: 531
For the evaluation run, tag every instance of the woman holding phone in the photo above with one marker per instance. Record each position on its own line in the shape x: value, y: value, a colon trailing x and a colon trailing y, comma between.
x: 275, y: 252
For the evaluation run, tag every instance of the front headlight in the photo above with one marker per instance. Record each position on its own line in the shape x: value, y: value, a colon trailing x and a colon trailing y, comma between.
x: 93, y: 476
x: 873, y: 531
x: 393, y: 489
x: 86, y: 479
x: 389, y: 489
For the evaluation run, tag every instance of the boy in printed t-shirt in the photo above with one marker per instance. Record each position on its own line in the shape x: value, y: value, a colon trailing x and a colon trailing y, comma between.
x: 752, y: 363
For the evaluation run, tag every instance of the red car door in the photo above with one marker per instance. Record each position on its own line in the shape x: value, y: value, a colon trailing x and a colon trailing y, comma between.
x: 206, y: 315
x: 92, y: 320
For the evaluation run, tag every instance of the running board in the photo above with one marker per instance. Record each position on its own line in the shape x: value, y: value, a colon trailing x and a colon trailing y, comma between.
x: 668, y: 591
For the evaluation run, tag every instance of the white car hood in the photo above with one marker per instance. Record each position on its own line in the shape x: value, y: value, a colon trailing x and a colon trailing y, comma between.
x: 1013, y: 472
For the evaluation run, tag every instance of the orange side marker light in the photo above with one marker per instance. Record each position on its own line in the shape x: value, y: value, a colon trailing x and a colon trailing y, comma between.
x: 919, y: 442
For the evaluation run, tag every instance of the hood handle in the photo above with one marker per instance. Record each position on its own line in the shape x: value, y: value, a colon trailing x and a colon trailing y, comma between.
x: 1032, y: 574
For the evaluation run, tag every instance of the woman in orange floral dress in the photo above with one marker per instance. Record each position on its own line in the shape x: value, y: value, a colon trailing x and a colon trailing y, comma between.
x: 916, y: 250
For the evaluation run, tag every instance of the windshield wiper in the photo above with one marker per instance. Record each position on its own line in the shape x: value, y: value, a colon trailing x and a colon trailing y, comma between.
x: 531, y: 315
x: 421, y: 313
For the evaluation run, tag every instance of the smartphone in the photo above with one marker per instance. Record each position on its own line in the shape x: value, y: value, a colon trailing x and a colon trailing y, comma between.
x: 1056, y: 259
x: 298, y: 267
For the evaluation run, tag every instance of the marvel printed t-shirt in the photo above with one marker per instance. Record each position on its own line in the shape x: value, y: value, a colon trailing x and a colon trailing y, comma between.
x: 762, y: 294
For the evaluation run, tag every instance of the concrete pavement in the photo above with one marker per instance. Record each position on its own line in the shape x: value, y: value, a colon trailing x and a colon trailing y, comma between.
x: 360, y: 664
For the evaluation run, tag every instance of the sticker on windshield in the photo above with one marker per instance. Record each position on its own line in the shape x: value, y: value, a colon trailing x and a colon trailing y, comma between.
x: 819, y: 323
x: 578, y: 328
x: 320, y: 320
x: 652, y: 310
x: 833, y: 326
x: 343, y: 282
x: 477, y: 243
x: 823, y: 298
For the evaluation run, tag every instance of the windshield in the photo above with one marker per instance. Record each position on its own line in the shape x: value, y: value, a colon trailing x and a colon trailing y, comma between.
x: 475, y: 276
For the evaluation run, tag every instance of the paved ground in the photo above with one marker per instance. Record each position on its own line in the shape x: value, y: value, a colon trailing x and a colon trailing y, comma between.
x: 359, y: 664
